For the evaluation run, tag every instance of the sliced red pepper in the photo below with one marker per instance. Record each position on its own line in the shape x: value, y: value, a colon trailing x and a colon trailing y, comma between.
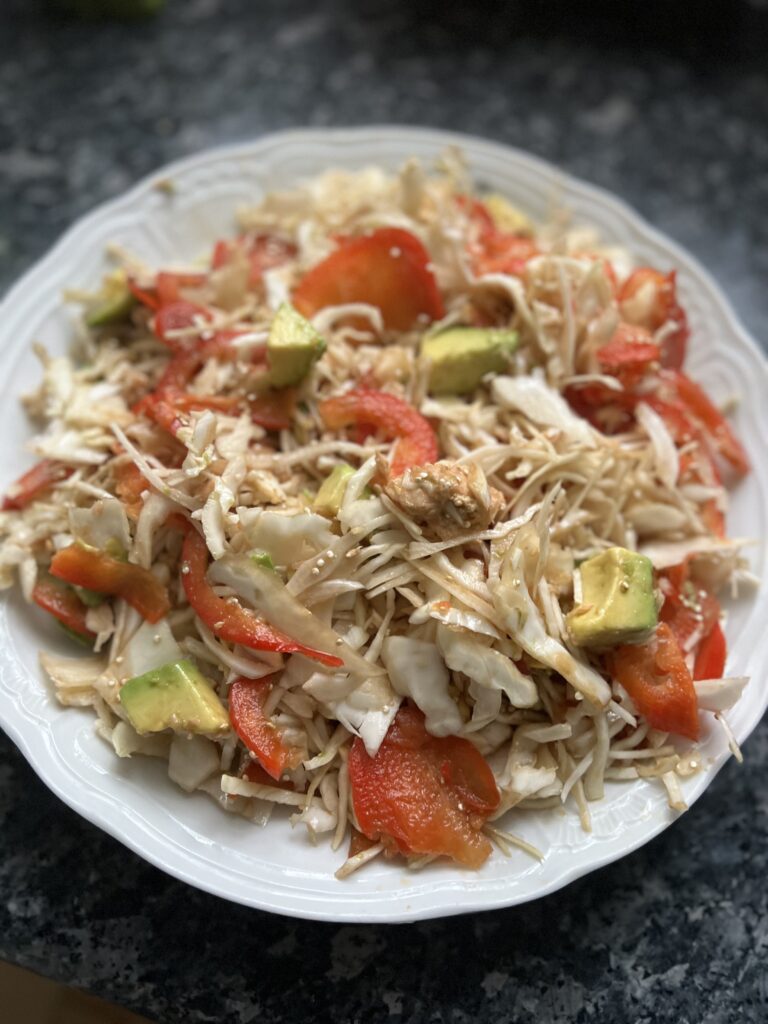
x: 253, y: 772
x: 421, y: 794
x: 492, y: 251
x: 145, y: 296
x: 169, y: 400
x: 169, y: 285
x: 86, y: 567
x: 711, y: 656
x: 479, y: 215
x: 629, y: 354
x: 36, y: 481
x: 503, y: 253
x: 699, y: 406
x: 266, y: 252
x: 416, y: 440
x: 246, y: 713
x: 649, y: 298
x: 388, y: 268
x: 64, y: 604
x: 656, y: 677
x: 178, y: 316
x: 274, y: 410
x: 130, y: 484
x: 222, y: 253
x: 227, y: 619
x: 689, y: 610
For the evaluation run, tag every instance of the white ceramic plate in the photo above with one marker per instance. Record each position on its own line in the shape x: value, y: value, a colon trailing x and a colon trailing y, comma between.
x: 276, y: 868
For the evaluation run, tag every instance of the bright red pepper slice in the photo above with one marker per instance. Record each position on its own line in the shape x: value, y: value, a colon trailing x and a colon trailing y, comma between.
x: 710, y: 658
x: 421, y: 794
x: 177, y: 316
x: 416, y: 442
x: 145, y: 296
x: 493, y: 251
x: 36, y: 481
x: 274, y: 410
x: 649, y: 298
x: 130, y: 484
x: 656, y: 677
x: 629, y: 354
x: 264, y: 252
x: 169, y: 285
x: 86, y: 567
x: 388, y: 268
x: 688, y: 610
x: 703, y: 410
x: 227, y: 619
x: 64, y: 604
x: 258, y: 733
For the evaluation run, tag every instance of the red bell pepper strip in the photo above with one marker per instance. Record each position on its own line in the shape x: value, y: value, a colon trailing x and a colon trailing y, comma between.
x: 274, y: 410
x: 227, y: 619
x: 258, y: 733
x: 388, y: 268
x: 629, y: 354
x: 145, y: 296
x: 34, y: 482
x: 169, y: 284
x: 710, y: 658
x: 416, y: 442
x: 702, y: 410
x: 130, y: 484
x: 656, y: 677
x: 264, y: 252
x: 86, y: 567
x: 64, y: 604
x: 176, y: 317
x: 421, y: 794
x: 690, y: 611
x: 649, y: 298
x: 492, y: 251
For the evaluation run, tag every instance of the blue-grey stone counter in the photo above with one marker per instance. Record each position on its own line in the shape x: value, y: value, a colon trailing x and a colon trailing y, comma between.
x: 668, y: 107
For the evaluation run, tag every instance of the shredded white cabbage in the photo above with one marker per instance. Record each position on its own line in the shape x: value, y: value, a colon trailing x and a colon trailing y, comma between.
x: 445, y: 587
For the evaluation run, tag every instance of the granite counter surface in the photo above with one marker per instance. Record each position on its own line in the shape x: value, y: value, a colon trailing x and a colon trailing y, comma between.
x: 669, y: 109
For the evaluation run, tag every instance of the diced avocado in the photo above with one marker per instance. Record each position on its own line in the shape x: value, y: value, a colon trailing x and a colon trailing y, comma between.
x: 175, y: 696
x: 331, y: 494
x: 618, y: 604
x: 292, y: 347
x: 263, y: 558
x: 507, y: 217
x: 461, y: 356
x: 114, y: 302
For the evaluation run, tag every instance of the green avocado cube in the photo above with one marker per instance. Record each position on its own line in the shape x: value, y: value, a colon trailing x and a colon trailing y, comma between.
x: 618, y: 602
x: 113, y: 303
x: 331, y: 494
x: 460, y: 357
x: 292, y: 347
x: 175, y: 696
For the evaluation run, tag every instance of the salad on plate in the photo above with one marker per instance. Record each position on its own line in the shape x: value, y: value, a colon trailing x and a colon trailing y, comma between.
x: 396, y: 510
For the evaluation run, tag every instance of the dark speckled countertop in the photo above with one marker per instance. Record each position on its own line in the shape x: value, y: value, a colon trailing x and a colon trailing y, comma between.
x: 667, y: 107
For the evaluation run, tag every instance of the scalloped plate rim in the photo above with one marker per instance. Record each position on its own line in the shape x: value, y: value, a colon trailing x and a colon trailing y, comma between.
x: 126, y: 827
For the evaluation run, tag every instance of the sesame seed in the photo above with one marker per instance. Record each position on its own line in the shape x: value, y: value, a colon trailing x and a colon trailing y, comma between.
x: 394, y: 252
